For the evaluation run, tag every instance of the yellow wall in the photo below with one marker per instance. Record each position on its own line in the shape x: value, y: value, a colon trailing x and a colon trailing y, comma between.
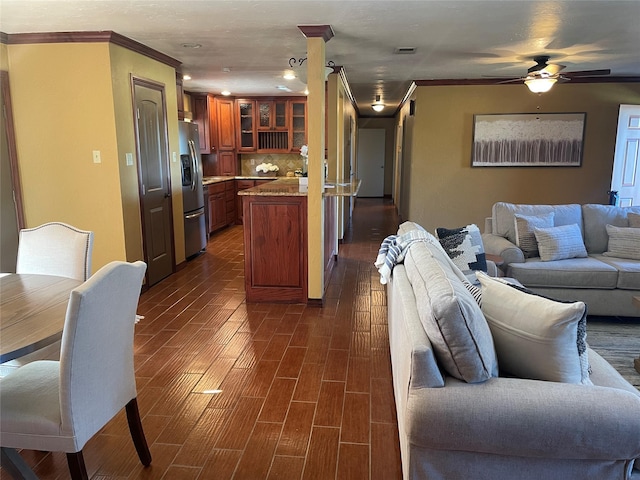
x: 70, y: 99
x: 63, y: 111
x: 126, y: 63
x: 441, y: 189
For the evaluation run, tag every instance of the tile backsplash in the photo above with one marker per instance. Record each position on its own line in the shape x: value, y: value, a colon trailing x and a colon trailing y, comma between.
x: 285, y: 161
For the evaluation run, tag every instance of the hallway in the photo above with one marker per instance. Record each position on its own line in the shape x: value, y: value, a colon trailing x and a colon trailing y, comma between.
x: 262, y: 391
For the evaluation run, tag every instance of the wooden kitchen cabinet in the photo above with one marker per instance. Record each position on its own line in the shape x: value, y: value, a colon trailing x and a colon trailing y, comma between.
x: 217, y: 206
x: 180, y: 96
x: 272, y: 115
x: 226, y: 129
x: 275, y: 248
x: 230, y: 201
x: 298, y: 114
x: 246, y: 128
x: 227, y: 163
x: 205, y: 117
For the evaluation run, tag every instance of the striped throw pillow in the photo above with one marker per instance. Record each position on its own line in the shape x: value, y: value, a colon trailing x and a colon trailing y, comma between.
x: 623, y: 242
x: 559, y: 243
x: 524, y: 225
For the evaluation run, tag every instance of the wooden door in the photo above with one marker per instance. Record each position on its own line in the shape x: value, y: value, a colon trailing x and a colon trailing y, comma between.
x: 370, y: 163
x: 11, y: 214
x: 626, y: 164
x: 154, y: 179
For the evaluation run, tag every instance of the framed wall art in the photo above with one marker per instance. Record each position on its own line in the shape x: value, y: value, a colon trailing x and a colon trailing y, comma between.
x: 528, y: 140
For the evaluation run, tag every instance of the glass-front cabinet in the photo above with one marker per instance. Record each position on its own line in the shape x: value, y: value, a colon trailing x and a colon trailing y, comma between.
x: 272, y: 115
x: 298, y: 124
x: 246, y: 126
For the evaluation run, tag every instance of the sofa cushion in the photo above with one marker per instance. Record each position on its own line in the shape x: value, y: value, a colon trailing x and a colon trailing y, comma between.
x: 558, y: 243
x: 503, y: 223
x: 587, y: 272
x: 623, y: 242
x: 464, y: 247
x: 634, y: 219
x: 595, y: 219
x: 451, y: 317
x: 628, y: 271
x: 524, y: 225
x: 536, y: 337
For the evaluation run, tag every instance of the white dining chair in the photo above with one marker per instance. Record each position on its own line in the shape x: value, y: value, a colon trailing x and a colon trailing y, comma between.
x: 59, y: 405
x: 53, y: 248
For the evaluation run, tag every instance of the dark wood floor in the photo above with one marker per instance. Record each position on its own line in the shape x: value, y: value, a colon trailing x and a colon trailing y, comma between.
x: 260, y: 391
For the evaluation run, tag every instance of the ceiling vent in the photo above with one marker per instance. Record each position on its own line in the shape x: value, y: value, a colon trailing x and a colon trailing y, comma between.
x: 405, y: 50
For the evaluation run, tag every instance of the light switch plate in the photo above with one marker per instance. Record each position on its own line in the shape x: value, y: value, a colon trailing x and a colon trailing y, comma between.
x: 96, y: 156
x: 129, y: 159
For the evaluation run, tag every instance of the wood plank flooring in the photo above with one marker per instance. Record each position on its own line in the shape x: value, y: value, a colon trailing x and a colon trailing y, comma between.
x: 230, y: 390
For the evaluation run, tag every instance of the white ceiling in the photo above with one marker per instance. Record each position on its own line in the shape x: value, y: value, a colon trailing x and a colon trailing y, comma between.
x: 254, y: 39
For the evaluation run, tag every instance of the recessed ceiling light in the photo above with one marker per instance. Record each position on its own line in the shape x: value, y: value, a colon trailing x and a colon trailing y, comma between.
x: 191, y: 45
x: 226, y: 93
x: 186, y: 77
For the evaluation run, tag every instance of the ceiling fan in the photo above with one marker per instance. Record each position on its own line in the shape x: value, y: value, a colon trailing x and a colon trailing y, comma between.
x: 543, y: 75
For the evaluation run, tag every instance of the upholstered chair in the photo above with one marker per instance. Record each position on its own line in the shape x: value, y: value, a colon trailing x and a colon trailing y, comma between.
x: 55, y: 249
x: 51, y: 249
x: 59, y: 405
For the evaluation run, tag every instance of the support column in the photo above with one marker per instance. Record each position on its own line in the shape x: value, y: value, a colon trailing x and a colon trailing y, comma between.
x: 317, y: 36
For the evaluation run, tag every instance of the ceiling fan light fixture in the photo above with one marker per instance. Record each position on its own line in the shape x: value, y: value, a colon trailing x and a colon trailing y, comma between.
x: 540, y: 85
x: 378, y: 106
x: 289, y: 75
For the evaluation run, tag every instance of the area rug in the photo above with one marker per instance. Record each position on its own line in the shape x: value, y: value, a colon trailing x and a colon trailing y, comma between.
x: 617, y: 339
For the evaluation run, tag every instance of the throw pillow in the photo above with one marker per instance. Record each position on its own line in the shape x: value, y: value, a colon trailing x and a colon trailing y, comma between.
x: 464, y: 246
x: 524, y: 225
x: 536, y: 337
x: 558, y: 243
x: 623, y: 242
x: 451, y: 318
x: 634, y: 219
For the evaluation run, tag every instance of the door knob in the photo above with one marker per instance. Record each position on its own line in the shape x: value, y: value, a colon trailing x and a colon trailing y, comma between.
x: 167, y: 195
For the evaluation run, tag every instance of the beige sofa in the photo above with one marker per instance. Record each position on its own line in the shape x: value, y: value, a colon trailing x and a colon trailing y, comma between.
x: 500, y: 427
x: 606, y: 284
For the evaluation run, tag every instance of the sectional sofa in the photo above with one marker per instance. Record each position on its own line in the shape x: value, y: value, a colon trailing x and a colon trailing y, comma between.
x: 467, y: 409
x: 602, y: 279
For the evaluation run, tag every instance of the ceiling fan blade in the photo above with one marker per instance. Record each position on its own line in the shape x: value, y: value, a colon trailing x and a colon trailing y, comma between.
x: 511, y: 80
x: 588, y: 73
x: 552, y: 69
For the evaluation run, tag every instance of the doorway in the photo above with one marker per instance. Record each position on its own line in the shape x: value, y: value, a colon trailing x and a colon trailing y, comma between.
x: 370, y: 164
x: 11, y: 215
x: 626, y: 162
x: 154, y: 178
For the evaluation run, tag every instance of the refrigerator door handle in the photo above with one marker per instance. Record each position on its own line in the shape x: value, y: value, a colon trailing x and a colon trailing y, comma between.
x: 194, y: 164
x: 193, y: 215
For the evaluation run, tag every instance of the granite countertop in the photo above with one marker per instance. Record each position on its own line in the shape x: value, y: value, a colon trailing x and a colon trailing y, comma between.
x: 210, y: 180
x: 291, y: 187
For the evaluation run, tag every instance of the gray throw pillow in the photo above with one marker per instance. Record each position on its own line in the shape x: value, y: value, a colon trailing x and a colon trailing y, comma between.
x: 623, y: 242
x: 451, y: 317
x: 464, y: 246
x: 559, y: 243
x: 536, y: 337
x: 634, y: 219
x: 524, y: 225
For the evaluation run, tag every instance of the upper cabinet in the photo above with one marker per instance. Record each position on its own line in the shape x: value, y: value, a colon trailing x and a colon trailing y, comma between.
x: 272, y: 115
x: 271, y: 125
x: 204, y: 114
x: 225, y: 122
x: 246, y: 131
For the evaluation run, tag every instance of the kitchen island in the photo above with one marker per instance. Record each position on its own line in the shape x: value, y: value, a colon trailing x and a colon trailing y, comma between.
x: 275, y: 238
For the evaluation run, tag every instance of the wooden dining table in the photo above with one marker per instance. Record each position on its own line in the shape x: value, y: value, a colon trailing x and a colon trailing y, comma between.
x: 32, y: 310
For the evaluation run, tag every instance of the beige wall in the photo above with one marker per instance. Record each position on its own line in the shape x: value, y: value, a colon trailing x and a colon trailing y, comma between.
x: 84, y: 105
x: 389, y: 125
x: 441, y: 189
x: 63, y: 111
x: 4, y: 57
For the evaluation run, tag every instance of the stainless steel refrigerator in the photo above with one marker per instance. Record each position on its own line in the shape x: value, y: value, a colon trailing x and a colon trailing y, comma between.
x: 195, y: 230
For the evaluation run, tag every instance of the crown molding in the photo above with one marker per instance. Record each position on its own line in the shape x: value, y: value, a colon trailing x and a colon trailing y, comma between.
x: 312, y: 31
x: 106, y: 36
x: 498, y: 81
